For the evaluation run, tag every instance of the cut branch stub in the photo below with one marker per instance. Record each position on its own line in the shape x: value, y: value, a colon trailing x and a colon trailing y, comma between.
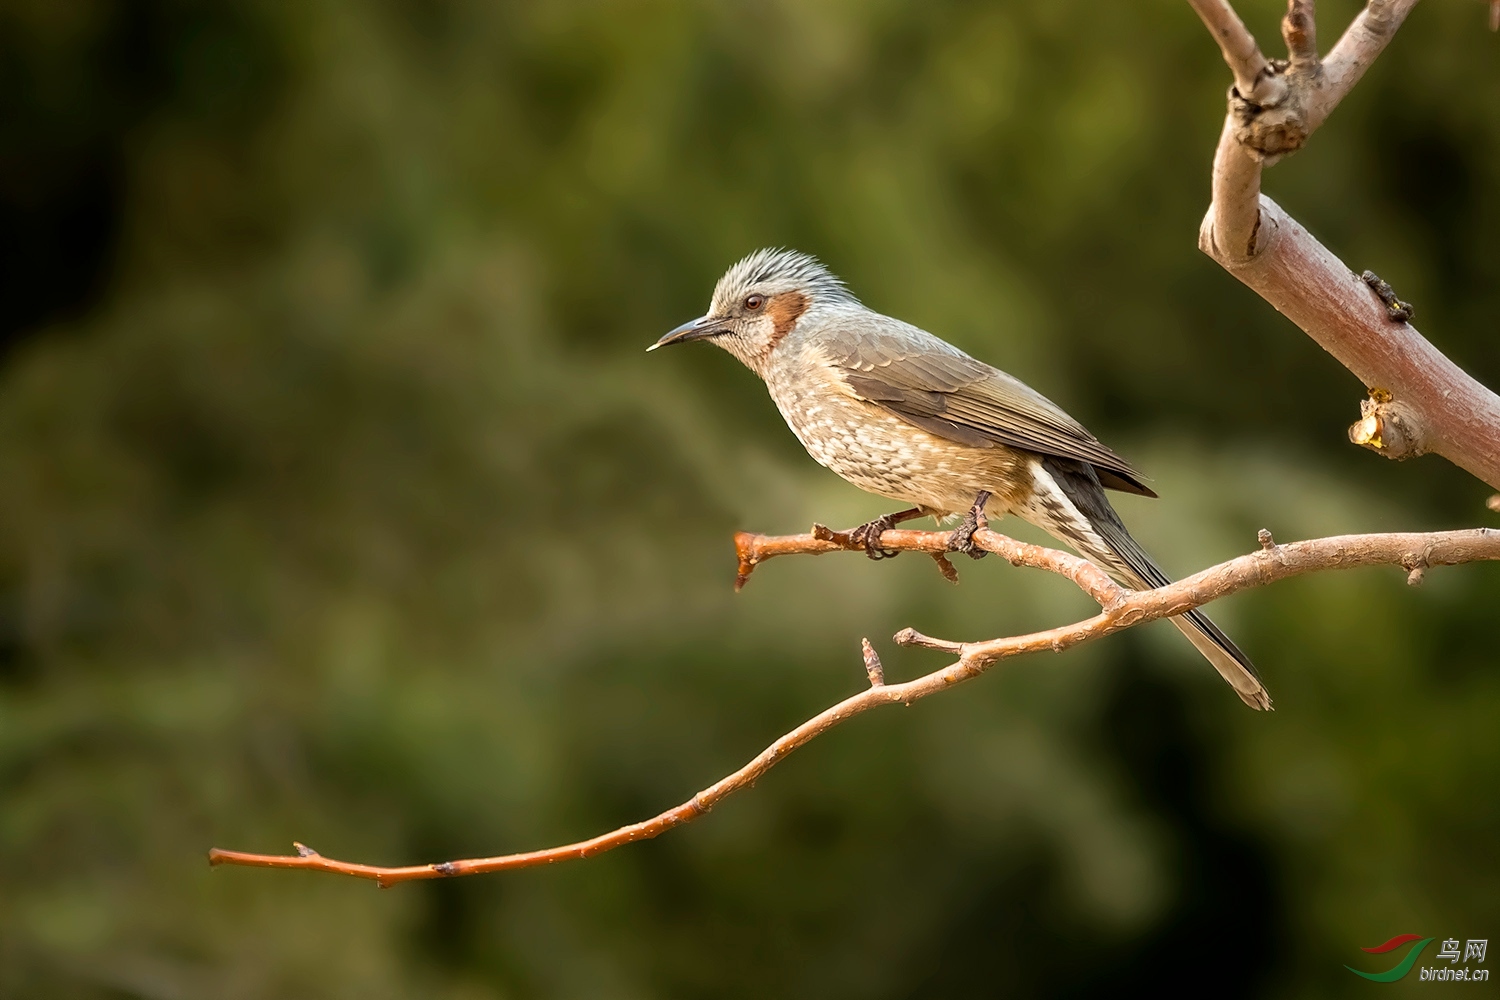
x: 1389, y: 426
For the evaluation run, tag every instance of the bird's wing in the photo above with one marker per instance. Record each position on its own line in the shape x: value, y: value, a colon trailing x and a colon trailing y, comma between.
x: 942, y: 390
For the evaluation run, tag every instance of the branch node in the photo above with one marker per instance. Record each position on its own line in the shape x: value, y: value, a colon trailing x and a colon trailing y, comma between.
x: 911, y: 637
x: 304, y: 851
x: 1271, y: 129
x: 1267, y: 542
x: 873, y: 667
x: 446, y: 868
x: 1398, y: 311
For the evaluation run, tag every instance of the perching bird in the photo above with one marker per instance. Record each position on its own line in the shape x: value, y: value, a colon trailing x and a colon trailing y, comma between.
x: 906, y: 415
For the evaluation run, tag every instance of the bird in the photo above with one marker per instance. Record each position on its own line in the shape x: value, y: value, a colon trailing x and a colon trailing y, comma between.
x: 902, y: 413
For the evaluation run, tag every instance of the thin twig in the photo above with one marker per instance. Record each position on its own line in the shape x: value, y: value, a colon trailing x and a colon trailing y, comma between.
x: 1121, y: 610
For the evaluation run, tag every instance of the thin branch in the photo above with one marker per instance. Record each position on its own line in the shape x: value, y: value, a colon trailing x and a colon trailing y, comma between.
x: 1120, y: 609
x: 1299, y: 29
x: 1252, y: 72
x: 1367, y: 36
x: 1420, y: 401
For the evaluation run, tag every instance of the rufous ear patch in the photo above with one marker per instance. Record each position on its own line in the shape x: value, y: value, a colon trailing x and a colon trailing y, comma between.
x: 785, y: 309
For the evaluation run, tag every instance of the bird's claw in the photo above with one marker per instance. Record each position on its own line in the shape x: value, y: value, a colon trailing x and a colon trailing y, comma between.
x: 866, y: 536
x: 961, y: 539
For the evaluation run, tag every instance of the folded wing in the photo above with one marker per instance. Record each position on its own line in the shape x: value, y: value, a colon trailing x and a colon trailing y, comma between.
x: 944, y: 391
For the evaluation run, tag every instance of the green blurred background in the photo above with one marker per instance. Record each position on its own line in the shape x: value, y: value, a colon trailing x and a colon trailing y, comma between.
x: 340, y: 502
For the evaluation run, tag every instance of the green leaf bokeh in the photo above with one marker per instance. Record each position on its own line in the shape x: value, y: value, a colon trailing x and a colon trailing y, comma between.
x: 339, y: 502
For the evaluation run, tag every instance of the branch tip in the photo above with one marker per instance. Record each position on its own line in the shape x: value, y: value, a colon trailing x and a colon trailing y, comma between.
x: 744, y: 550
x: 873, y: 666
x: 1493, y: 503
x: 945, y: 567
x: 911, y: 637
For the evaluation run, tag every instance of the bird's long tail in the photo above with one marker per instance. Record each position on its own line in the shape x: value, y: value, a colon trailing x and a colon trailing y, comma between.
x: 1069, y: 503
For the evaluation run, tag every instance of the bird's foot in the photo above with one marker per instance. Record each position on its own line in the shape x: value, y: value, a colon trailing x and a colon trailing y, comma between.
x: 866, y: 536
x: 962, y: 537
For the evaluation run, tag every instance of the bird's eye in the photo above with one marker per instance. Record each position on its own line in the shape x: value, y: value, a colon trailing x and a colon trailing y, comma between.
x: 754, y: 302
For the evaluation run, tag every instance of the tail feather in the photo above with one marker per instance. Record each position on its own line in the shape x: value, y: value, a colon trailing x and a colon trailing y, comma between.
x: 1136, y: 568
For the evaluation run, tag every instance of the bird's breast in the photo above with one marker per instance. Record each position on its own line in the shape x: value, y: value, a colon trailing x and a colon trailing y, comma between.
x: 878, y: 451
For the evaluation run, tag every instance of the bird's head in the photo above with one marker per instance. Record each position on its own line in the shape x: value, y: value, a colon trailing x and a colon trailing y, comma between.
x: 758, y: 302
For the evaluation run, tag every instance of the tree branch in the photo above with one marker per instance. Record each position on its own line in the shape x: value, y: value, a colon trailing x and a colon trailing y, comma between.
x: 1119, y: 609
x: 1253, y: 76
x: 1420, y: 401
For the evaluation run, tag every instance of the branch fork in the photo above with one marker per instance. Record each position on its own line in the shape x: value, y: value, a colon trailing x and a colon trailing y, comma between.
x: 1431, y: 404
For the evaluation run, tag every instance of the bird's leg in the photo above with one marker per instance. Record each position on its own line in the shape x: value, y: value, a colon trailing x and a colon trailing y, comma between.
x: 867, y: 535
x: 962, y: 538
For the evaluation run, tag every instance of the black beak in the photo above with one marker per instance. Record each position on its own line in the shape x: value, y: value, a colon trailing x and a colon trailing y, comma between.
x: 698, y: 329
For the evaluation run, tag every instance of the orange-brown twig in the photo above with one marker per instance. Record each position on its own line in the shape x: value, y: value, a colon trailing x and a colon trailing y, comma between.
x: 1120, y: 609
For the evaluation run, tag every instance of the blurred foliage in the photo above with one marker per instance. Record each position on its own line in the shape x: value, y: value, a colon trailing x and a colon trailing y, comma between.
x: 339, y: 502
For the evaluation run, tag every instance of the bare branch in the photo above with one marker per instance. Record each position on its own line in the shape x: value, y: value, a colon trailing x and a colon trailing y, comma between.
x: 1121, y: 609
x: 1420, y: 401
x: 1368, y: 34
x: 1261, y: 131
x: 1437, y: 406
